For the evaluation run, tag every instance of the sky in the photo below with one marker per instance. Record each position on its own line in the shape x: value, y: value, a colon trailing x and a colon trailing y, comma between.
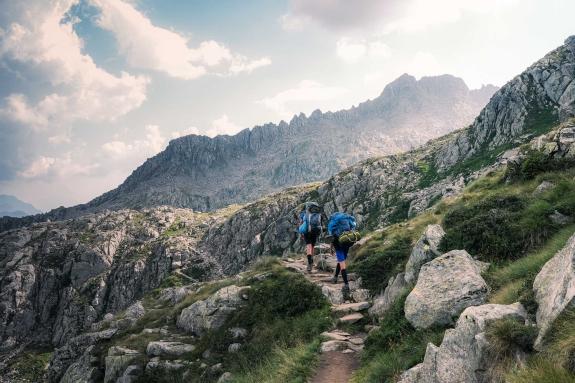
x: 91, y: 88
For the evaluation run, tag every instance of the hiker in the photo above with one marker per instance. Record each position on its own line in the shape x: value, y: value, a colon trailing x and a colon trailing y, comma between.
x: 342, y: 227
x: 310, y: 228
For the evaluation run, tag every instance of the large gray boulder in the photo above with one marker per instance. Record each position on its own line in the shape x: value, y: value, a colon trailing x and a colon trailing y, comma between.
x: 424, y: 251
x: 463, y: 356
x: 212, y: 312
x: 118, y: 360
x: 554, y: 288
x: 446, y: 286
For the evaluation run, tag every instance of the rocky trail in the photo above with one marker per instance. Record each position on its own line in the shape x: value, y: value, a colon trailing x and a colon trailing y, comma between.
x: 344, y: 342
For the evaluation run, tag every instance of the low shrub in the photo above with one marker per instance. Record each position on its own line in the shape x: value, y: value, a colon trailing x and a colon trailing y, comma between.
x: 395, y: 347
x: 499, y: 227
x: 383, y: 262
x: 509, y: 335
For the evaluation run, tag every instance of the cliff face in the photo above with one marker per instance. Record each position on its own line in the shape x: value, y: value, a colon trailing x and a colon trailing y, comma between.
x: 205, y: 173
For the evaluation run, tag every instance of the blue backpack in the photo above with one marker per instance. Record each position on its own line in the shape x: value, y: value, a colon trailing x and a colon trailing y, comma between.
x: 311, y: 218
x: 339, y: 223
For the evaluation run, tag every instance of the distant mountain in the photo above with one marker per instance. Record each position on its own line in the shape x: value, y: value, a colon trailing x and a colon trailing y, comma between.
x: 208, y: 173
x: 12, y: 207
x: 205, y: 173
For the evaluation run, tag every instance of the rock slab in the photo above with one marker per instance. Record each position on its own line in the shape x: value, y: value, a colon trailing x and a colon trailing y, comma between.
x: 446, y: 286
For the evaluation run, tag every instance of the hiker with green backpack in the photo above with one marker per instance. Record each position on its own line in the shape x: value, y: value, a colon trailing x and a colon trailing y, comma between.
x: 342, y: 227
x: 311, y: 228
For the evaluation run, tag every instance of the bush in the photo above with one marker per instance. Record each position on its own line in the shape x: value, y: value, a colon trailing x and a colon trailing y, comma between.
x: 537, y: 162
x: 498, y: 227
x: 285, y: 311
x: 507, y: 336
x: 376, y: 268
x: 395, y: 347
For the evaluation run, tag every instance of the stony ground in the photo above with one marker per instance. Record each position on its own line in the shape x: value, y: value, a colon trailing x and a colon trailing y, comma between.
x: 344, y: 342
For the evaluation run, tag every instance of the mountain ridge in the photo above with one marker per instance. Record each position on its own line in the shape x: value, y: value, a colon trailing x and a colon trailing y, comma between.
x: 205, y: 173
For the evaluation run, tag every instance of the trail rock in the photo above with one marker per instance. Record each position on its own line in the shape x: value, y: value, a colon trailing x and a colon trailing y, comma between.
x: 424, y: 251
x: 351, y: 318
x: 445, y: 287
x: 171, y: 349
x: 463, y: 356
x: 212, y: 312
x: 554, y: 288
x: 333, y: 345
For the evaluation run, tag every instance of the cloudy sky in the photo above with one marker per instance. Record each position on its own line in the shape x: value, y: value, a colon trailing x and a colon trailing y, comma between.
x: 91, y: 88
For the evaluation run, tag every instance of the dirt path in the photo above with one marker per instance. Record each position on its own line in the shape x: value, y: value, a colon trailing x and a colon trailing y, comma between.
x: 340, y: 351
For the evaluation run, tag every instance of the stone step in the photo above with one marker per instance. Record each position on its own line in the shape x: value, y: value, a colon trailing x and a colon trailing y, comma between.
x: 351, y: 318
x: 336, y: 335
x: 348, y: 308
x: 334, y: 345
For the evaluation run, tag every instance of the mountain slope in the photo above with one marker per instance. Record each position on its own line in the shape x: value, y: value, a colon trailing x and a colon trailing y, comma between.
x: 384, y: 190
x: 13, y: 207
x: 205, y: 173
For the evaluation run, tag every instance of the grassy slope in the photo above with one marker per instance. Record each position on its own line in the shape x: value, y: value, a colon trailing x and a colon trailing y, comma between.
x: 284, y: 319
x: 498, y: 220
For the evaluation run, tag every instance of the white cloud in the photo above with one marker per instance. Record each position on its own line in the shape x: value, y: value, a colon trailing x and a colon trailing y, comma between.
x: 352, y: 50
x: 424, y: 64
x: 60, y: 139
x: 419, y: 15
x: 42, y: 35
x: 148, y: 46
x: 62, y: 167
x: 185, y: 132
x: 151, y: 144
x: 383, y: 15
x: 336, y: 14
x: 305, y: 91
x: 223, y: 126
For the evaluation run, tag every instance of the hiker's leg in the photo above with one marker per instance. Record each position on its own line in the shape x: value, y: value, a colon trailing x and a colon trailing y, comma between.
x: 344, y: 266
x: 337, y: 270
x: 309, y: 251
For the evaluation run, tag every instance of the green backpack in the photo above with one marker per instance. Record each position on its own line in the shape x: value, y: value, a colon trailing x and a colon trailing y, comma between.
x: 349, y: 237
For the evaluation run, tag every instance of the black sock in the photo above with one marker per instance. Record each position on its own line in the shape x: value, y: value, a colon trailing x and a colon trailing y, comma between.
x: 344, y: 276
x: 337, y: 269
x: 309, y: 260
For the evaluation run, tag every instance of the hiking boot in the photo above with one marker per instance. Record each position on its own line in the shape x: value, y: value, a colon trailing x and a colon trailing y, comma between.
x: 345, y: 292
x: 309, y: 267
x: 334, y: 280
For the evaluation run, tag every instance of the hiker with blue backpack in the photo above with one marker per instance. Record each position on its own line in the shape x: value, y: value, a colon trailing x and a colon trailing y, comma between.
x: 342, y: 227
x: 311, y: 227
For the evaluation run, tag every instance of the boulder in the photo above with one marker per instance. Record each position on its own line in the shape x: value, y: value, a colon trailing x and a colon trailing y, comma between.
x: 543, y: 187
x: 118, y: 360
x: 424, y: 251
x: 75, y: 348
x: 383, y: 302
x: 463, y: 356
x: 234, y: 347
x: 212, y: 312
x: 84, y: 370
x: 171, y: 349
x: 446, y: 286
x: 226, y: 377
x: 554, y: 288
x: 131, y: 374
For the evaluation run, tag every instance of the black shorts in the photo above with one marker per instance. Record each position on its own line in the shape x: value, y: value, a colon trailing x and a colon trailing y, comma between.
x: 310, y: 237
